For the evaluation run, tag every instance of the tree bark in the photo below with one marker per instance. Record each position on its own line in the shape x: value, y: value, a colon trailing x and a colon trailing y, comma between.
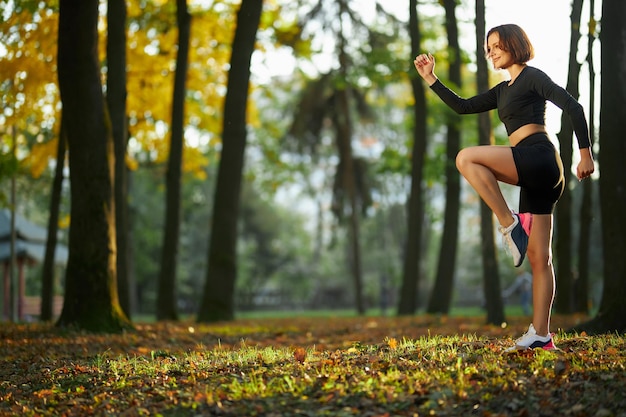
x: 611, y: 316
x: 91, y: 301
x: 491, y: 276
x: 218, y: 296
x: 564, y: 302
x: 166, y: 298
x: 441, y: 296
x: 409, y: 289
x: 586, y: 215
x: 47, y: 283
x: 116, y: 104
x: 343, y: 129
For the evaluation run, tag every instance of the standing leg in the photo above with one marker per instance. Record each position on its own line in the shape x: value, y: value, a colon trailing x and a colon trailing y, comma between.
x: 540, y: 258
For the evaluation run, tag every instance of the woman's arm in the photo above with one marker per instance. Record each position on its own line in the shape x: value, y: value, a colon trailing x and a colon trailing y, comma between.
x: 425, y: 66
x: 556, y: 94
x: 574, y: 110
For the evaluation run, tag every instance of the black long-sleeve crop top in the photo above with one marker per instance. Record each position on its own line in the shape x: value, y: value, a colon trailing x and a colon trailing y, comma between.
x: 521, y: 103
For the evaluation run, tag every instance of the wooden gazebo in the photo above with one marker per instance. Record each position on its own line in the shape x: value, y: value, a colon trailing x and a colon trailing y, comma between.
x: 29, y: 248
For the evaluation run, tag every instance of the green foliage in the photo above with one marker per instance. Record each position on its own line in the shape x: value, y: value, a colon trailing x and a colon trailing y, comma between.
x: 274, y: 244
x: 30, y: 6
x: 8, y: 165
x: 394, y: 161
x: 147, y: 207
x: 274, y: 247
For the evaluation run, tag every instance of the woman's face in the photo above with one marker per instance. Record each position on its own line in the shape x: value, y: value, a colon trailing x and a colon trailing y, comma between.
x: 499, y: 58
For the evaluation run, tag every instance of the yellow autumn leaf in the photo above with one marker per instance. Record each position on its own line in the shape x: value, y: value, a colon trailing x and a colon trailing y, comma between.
x: 194, y: 162
x: 40, y: 156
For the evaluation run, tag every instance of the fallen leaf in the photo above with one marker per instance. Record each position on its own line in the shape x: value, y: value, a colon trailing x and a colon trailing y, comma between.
x: 300, y: 354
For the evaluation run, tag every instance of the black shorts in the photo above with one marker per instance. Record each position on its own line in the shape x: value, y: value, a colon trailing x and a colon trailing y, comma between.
x: 540, y: 172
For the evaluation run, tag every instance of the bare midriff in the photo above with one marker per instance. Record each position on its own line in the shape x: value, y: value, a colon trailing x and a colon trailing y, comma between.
x: 524, y: 132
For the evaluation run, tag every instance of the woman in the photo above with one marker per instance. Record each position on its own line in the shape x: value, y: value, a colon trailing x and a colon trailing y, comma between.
x: 530, y: 162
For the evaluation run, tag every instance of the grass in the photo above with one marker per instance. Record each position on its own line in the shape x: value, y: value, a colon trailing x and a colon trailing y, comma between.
x: 310, y: 366
x: 472, y: 311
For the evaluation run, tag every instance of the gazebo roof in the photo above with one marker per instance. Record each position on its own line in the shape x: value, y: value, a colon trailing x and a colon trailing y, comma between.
x: 26, y: 230
x: 30, y: 240
x: 33, y: 251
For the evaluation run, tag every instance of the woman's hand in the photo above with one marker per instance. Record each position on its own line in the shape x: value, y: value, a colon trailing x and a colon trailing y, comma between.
x: 425, y: 66
x: 586, y: 166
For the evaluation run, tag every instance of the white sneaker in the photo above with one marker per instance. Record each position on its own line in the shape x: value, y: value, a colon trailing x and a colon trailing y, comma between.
x: 531, y: 340
x: 516, y: 239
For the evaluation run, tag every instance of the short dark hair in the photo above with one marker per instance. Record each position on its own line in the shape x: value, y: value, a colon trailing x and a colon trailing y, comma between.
x: 514, y: 40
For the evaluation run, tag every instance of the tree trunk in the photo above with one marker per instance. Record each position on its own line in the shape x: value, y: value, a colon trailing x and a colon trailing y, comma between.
x: 116, y: 104
x: 441, y: 297
x: 582, y: 298
x: 47, y: 282
x: 343, y: 132
x: 586, y: 215
x: 564, y: 302
x: 491, y: 276
x: 611, y: 316
x: 218, y: 297
x: 91, y: 301
x: 343, y: 127
x: 415, y: 217
x: 166, y: 298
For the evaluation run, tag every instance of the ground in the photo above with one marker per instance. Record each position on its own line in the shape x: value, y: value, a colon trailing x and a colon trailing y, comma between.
x: 303, y: 366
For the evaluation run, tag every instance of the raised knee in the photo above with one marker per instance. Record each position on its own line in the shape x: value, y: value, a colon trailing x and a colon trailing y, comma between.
x: 462, y: 160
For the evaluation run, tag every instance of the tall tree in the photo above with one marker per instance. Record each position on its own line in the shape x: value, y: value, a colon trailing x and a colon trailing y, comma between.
x: 331, y: 101
x: 218, y: 295
x: 342, y: 121
x: 116, y: 105
x: 91, y: 300
x: 563, y: 219
x: 611, y: 315
x: 336, y: 100
x: 47, y: 275
x: 166, y: 297
x: 581, y: 283
x: 441, y: 296
x: 415, y: 208
x: 29, y: 43
x: 491, y: 275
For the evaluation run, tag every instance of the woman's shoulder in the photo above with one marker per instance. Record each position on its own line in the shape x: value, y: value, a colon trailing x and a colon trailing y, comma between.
x: 535, y: 72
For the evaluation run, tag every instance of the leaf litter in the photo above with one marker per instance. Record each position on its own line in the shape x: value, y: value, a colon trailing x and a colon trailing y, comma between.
x: 336, y: 366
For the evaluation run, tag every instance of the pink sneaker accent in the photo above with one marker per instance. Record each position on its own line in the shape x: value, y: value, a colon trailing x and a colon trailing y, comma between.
x: 527, y: 221
x: 550, y: 345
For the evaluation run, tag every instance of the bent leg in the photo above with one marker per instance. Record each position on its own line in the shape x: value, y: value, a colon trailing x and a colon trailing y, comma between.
x: 483, y: 167
x: 540, y: 257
